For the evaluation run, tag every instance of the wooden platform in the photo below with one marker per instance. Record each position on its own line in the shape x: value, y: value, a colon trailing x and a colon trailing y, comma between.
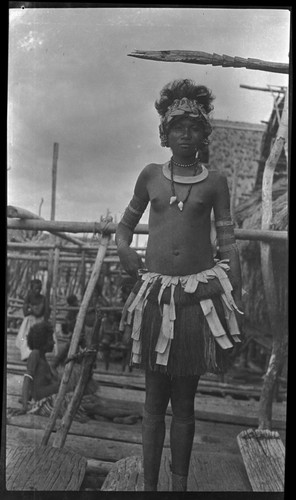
x: 263, y: 454
x: 219, y: 420
x: 43, y: 468
x: 208, y: 472
x: 223, y: 409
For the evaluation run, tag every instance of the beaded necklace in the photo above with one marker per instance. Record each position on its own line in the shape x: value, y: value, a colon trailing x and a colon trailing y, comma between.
x: 184, y: 165
x: 174, y: 198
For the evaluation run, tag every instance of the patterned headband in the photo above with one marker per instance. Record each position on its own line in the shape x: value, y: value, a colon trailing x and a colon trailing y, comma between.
x: 180, y: 107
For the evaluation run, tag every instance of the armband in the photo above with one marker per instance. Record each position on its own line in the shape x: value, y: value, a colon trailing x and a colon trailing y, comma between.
x: 225, y: 234
x: 134, y: 212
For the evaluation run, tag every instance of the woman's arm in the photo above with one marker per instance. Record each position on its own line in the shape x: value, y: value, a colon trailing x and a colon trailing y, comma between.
x: 26, y: 306
x: 129, y: 258
x: 27, y: 387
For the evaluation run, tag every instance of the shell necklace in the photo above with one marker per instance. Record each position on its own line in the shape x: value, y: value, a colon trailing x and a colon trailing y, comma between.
x: 174, y: 198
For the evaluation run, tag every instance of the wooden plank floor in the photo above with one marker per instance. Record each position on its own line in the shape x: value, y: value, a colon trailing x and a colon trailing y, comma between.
x: 104, y: 442
x: 218, y: 422
x: 207, y: 407
x: 208, y: 472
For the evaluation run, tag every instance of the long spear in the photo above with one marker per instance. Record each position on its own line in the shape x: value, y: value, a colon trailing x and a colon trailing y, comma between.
x: 198, y: 57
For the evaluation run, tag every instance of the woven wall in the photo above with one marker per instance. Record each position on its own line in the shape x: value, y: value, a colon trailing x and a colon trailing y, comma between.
x: 236, y: 146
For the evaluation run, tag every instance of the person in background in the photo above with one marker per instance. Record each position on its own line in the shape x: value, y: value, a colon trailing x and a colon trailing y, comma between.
x: 182, y: 312
x: 34, y: 309
x: 70, y: 319
x: 41, y: 384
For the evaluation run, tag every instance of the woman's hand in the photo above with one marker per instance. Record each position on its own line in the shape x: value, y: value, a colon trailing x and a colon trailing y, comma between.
x: 130, y: 260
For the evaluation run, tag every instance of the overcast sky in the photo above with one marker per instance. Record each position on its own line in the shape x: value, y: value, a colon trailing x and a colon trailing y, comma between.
x: 71, y: 82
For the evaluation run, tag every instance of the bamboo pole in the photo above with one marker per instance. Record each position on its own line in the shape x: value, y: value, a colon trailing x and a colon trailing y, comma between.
x: 13, y: 245
x: 48, y: 283
x: 198, y: 57
x: 279, y: 340
x: 76, y: 335
x: 41, y: 258
x: 55, y: 285
x: 22, y: 214
x: 64, y: 249
x: 234, y: 189
x: 82, y: 276
x: 54, y: 179
x: 86, y: 370
x: 40, y: 206
x: 72, y: 227
x: 279, y: 90
x: 88, y: 227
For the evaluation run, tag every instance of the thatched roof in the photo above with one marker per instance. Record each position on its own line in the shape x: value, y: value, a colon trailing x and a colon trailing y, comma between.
x: 248, y: 213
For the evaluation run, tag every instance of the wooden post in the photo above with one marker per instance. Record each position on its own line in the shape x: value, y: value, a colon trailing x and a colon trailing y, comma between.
x: 279, y: 341
x: 20, y: 213
x: 273, y: 88
x: 55, y: 276
x: 88, y: 227
x: 82, y: 276
x: 76, y: 335
x: 86, y: 369
x: 48, y: 283
x: 41, y: 203
x: 233, y: 189
x: 54, y: 179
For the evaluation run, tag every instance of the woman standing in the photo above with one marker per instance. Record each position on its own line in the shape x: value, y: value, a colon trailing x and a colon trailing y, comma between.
x: 182, y: 311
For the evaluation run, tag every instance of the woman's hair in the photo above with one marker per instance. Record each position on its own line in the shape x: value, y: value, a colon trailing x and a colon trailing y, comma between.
x: 72, y: 300
x: 184, y: 88
x: 38, y: 335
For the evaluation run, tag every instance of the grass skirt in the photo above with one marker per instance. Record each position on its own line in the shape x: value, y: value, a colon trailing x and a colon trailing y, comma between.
x: 193, y: 349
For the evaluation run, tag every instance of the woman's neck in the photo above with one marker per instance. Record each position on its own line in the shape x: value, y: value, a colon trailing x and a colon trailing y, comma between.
x: 187, y: 160
x: 187, y: 166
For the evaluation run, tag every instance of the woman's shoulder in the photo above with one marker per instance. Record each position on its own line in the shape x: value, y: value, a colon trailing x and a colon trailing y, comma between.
x: 34, y: 354
x: 216, y: 174
x: 33, y: 359
x: 150, y: 171
x: 153, y: 167
x: 217, y: 177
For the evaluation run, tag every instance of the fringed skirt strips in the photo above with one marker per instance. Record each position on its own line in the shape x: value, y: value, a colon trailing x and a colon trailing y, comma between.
x: 182, y: 325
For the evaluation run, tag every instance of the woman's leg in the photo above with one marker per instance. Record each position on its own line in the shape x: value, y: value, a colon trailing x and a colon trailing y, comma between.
x: 153, y: 427
x: 183, y: 391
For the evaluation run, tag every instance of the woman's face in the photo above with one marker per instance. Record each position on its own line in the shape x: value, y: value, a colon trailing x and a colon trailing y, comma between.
x: 185, y: 137
x: 36, y: 288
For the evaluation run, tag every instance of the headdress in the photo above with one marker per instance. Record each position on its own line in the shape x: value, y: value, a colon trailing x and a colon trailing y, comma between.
x: 180, y: 107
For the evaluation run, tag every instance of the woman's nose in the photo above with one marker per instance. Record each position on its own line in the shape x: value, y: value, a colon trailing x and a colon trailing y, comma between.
x: 186, y: 132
